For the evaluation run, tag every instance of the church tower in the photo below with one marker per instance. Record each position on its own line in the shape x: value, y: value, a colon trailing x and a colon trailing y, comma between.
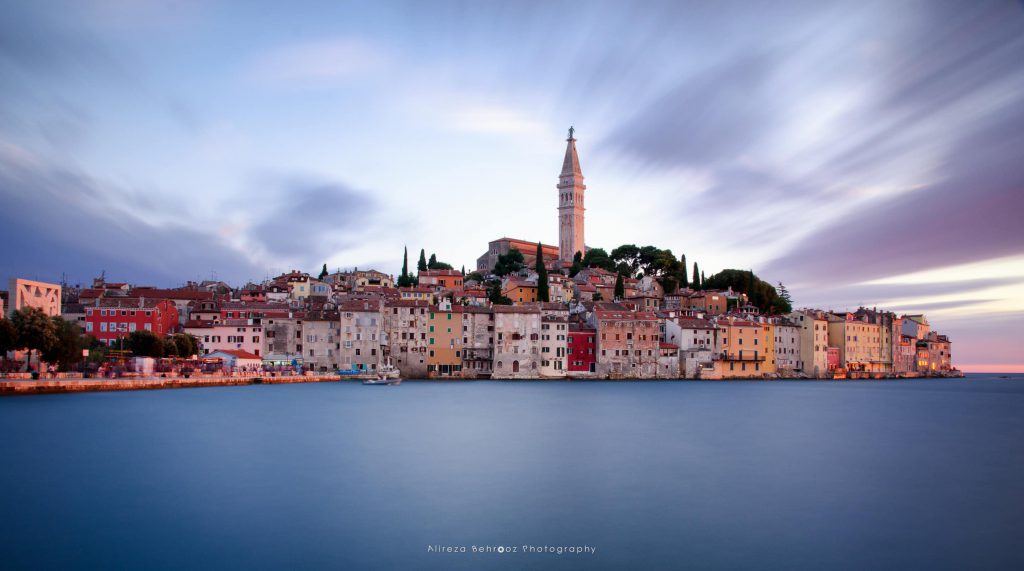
x: 570, y: 203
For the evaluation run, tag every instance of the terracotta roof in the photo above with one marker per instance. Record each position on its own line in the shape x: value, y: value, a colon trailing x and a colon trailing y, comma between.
x: 359, y: 305
x: 440, y: 273
x: 406, y: 303
x: 695, y: 323
x: 516, y: 309
x: 171, y: 293
x: 198, y: 323
x: 627, y: 315
x: 128, y: 302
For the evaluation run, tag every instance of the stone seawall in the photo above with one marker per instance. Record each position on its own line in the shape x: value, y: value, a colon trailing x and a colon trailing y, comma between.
x: 8, y: 388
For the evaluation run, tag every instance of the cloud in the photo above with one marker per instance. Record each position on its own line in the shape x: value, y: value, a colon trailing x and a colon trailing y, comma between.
x: 709, y: 118
x: 317, y: 62
x: 494, y: 119
x: 59, y: 220
x: 307, y: 221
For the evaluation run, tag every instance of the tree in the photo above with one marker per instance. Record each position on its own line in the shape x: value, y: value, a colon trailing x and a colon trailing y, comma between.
x: 476, y: 277
x: 627, y: 258
x: 495, y: 296
x: 784, y: 294
x: 543, y: 293
x: 145, y: 344
x: 97, y: 349
x: 170, y: 347
x: 620, y: 288
x: 36, y: 331
x: 67, y: 350
x: 598, y: 258
x: 577, y: 263
x: 433, y: 264
x: 759, y: 293
x: 323, y: 273
x: 422, y: 265
x: 404, y: 279
x: 463, y: 271
x: 187, y: 345
x: 702, y: 280
x: 509, y: 263
x: 8, y: 336
x: 696, y: 278
x: 598, y: 296
x: 683, y: 282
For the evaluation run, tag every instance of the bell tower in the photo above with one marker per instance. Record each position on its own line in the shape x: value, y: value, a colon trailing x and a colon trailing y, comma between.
x: 570, y: 203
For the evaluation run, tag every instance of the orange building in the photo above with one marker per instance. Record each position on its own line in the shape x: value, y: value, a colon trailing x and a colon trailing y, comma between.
x: 520, y: 291
x: 744, y: 349
x: 440, y: 279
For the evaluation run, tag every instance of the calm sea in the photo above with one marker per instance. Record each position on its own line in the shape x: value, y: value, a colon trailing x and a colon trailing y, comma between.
x: 652, y: 475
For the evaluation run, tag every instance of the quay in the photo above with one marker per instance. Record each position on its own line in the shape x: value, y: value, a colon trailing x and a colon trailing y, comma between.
x: 78, y: 384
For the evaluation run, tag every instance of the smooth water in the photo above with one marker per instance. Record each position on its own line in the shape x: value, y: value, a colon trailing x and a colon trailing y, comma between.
x: 653, y: 475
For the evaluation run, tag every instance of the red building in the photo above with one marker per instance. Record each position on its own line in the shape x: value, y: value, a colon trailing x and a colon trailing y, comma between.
x: 112, y: 318
x: 582, y: 354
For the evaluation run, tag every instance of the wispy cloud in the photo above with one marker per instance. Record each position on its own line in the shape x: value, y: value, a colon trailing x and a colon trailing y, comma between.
x: 318, y: 62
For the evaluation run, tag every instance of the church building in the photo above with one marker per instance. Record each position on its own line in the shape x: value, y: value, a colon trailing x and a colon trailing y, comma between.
x: 570, y: 220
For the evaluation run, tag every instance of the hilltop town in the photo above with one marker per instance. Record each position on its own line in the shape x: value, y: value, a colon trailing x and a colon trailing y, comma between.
x: 527, y: 311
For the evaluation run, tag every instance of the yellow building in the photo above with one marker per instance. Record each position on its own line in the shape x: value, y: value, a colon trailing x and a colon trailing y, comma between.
x: 859, y: 343
x: 417, y: 293
x: 745, y: 349
x: 444, y: 340
x: 520, y: 291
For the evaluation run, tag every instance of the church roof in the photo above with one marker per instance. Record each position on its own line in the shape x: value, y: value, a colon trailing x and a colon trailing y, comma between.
x: 571, y: 164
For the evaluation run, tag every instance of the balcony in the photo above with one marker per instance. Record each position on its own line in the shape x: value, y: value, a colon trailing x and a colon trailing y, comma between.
x: 744, y: 358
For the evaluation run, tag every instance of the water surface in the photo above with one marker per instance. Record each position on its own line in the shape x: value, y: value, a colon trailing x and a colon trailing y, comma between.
x: 653, y: 475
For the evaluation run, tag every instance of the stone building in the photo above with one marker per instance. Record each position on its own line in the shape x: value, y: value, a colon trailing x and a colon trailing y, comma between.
x: 788, y: 358
x: 554, y: 330
x: 628, y: 343
x: 321, y: 343
x: 406, y: 321
x: 477, y: 341
x: 361, y: 333
x: 813, y: 341
x: 516, y: 341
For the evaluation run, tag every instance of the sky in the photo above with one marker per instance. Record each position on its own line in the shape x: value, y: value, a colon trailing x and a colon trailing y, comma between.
x: 860, y: 152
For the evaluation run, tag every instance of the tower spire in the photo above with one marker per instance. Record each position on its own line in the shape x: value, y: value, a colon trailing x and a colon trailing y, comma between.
x: 570, y: 203
x: 571, y: 163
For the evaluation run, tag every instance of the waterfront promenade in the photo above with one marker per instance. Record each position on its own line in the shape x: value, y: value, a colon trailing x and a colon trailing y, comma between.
x: 73, y: 385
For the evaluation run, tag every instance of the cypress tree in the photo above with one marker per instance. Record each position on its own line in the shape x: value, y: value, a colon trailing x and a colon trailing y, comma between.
x: 432, y: 262
x: 683, y: 282
x: 323, y: 272
x: 403, y: 279
x: 696, y: 277
x: 620, y: 287
x: 702, y: 280
x: 422, y: 265
x: 543, y: 293
x: 463, y: 270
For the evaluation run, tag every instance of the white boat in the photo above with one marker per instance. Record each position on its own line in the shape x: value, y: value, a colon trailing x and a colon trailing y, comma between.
x: 386, y: 375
